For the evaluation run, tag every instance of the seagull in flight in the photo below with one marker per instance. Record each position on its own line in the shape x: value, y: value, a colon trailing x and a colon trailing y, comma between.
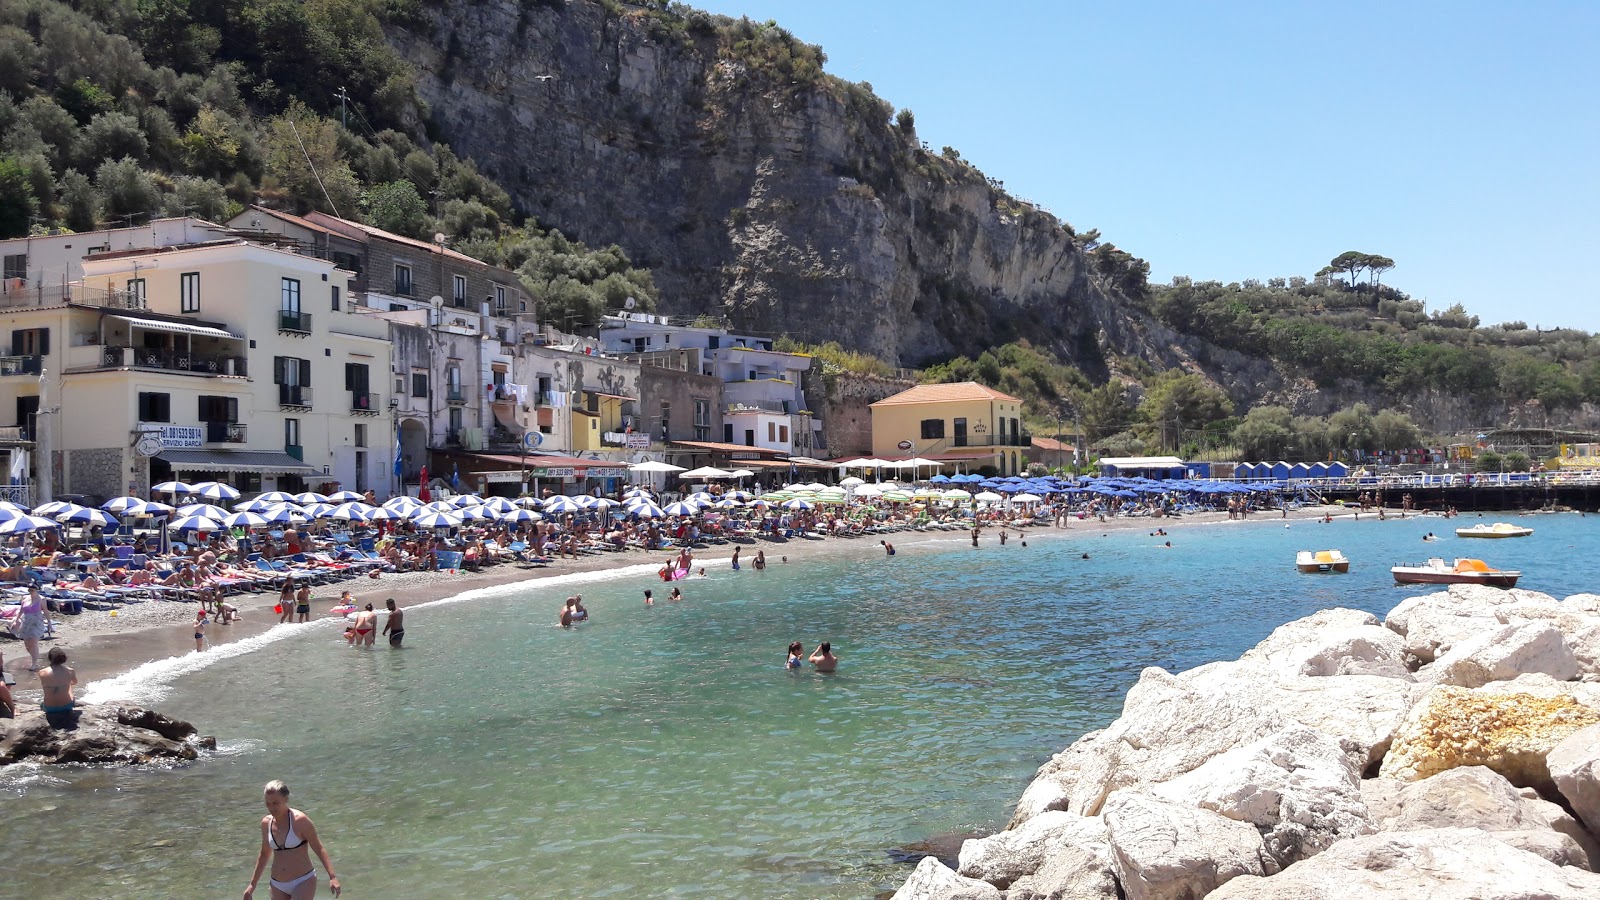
x: 543, y: 77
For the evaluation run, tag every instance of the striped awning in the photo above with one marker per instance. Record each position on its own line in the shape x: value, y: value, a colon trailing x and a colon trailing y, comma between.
x: 264, y: 461
x: 176, y: 327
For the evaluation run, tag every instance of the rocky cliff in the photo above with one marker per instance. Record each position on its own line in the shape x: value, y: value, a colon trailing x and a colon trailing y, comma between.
x: 783, y: 202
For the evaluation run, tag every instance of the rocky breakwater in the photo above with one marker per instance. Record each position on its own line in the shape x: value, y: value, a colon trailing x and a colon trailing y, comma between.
x: 104, y: 734
x: 1449, y: 751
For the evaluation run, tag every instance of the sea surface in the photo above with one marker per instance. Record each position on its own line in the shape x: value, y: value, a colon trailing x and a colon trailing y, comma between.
x: 664, y: 751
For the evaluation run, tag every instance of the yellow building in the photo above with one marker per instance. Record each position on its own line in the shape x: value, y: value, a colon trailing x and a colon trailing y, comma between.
x: 222, y: 361
x: 597, y: 419
x: 963, y: 425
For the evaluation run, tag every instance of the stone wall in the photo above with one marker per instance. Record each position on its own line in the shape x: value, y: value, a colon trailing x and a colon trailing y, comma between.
x: 97, y: 473
x: 846, y: 412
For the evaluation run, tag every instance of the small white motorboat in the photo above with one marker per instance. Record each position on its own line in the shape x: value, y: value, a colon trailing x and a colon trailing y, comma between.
x: 1313, y: 561
x: 1463, y: 571
x: 1497, y: 530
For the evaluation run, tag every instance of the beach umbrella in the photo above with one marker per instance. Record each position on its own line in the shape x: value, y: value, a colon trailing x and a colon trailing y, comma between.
x: 1026, y: 498
x: 956, y: 494
x: 283, y: 513
x: 119, y: 505
x: 154, y: 508
x: 869, y: 491
x: 815, y: 486
x: 352, y: 512
x: 203, y: 509
x: 345, y: 497
x: 777, y: 496
x: 852, y: 481
x: 585, y: 501
x: 433, y: 519
x: 475, y: 513
x: 655, y: 466
x: 939, y: 479
x: 90, y: 517
x: 518, y: 515
x: 703, y: 473
x: 25, y: 523
x: 740, y: 473
x: 987, y: 497
x: 244, y: 520
x: 462, y: 501
x: 830, y: 500
x: 256, y: 505
x: 728, y: 503
x: 682, y: 508
x: 406, y: 505
x: 305, y: 497
x: 438, y: 506
x: 214, y: 490
x: 927, y: 494
x: 647, y: 511
x: 55, y: 508
x: 319, y: 510
x: 195, y: 523
x: 562, y: 504
x: 276, y: 497
x: 798, y: 503
x: 498, y: 505
x: 529, y: 502
x: 384, y: 513
x: 604, y: 503
x: 897, y: 496
x: 172, y: 487
x: 738, y: 495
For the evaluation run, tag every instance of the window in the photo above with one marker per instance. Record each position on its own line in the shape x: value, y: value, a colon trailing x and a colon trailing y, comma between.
x: 136, y: 293
x: 30, y: 342
x: 335, y: 289
x: 783, y: 434
x: 772, y: 431
x: 419, y: 384
x: 452, y: 378
x: 702, y: 420
x: 455, y: 420
x: 932, y: 429
x: 402, y: 279
x: 219, y: 409
x: 16, y: 265
x: 361, y: 435
x: 713, y: 342
x: 666, y: 419
x: 1016, y: 431
x: 291, y: 432
x: 499, y: 299
x: 458, y: 290
x: 289, y: 296
x: 356, y: 381
x: 291, y: 371
x: 155, y: 407
x: 189, y: 292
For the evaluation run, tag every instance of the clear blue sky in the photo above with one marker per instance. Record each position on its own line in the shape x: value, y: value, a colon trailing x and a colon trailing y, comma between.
x: 1239, y: 140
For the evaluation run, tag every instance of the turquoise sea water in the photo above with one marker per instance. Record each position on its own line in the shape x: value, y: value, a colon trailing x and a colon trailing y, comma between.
x: 664, y: 751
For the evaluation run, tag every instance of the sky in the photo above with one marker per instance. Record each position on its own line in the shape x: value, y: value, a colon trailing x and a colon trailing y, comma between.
x: 1250, y: 140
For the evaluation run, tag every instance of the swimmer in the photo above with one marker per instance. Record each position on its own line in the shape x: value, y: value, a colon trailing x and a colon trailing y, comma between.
x: 675, y: 596
x: 797, y: 655
x: 566, y: 611
x: 824, y: 659
x: 702, y: 572
x: 1429, y: 537
x: 366, y: 626
x: 649, y: 599
x: 579, y: 613
x: 785, y: 559
x: 1086, y: 556
x: 888, y: 548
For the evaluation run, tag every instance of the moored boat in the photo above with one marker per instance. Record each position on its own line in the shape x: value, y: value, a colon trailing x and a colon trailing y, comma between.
x: 1462, y: 571
x: 1313, y: 561
x: 1497, y: 530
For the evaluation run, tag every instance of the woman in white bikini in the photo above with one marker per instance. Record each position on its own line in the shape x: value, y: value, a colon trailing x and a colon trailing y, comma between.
x: 285, y: 835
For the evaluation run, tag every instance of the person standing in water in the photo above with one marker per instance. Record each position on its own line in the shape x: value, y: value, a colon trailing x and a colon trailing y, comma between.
x: 286, y: 600
x: 366, y: 626
x: 286, y: 835
x: 824, y: 659
x: 566, y: 613
x: 888, y: 548
x: 199, y: 630
x: 736, y: 558
x: 57, y: 680
x: 761, y: 561
x: 302, y: 603
x: 797, y: 655
x: 395, y: 628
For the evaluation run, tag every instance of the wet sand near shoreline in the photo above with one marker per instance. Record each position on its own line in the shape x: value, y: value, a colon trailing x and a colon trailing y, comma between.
x: 101, y: 645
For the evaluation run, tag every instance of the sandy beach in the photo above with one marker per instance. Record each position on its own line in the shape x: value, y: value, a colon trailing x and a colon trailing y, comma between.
x: 105, y: 643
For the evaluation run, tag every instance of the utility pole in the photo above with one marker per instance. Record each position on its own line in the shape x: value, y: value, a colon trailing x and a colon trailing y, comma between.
x: 343, y: 96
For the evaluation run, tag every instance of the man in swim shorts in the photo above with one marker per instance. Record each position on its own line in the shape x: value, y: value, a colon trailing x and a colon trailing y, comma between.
x: 57, y: 680
x: 395, y: 628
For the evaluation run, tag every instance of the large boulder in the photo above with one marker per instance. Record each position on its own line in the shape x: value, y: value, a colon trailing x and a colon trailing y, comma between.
x: 1052, y: 785
x: 1331, y: 642
x: 1501, y: 654
x: 1574, y: 766
x: 1167, y: 851
x: 1507, y: 726
x: 1300, y: 788
x: 1074, y: 873
x: 101, y: 734
x: 1478, y: 797
x: 933, y: 880
x: 1439, y: 864
x: 1002, y: 858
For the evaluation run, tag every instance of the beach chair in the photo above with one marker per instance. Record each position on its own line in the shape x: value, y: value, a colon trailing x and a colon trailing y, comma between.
x: 448, y: 559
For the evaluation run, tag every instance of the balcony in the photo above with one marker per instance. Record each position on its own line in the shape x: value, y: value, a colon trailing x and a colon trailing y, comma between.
x: 114, y: 357
x: 454, y: 394
x: 984, y: 440
x: 296, y: 451
x: 20, y: 365
x: 294, y: 395
x: 226, y: 432
x: 365, y: 404
x: 777, y: 407
x: 294, y: 322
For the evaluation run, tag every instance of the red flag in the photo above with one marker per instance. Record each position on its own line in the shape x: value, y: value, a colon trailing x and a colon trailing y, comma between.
x: 422, y: 490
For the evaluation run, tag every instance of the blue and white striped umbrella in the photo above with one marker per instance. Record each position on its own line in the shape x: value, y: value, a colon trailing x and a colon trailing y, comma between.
x: 604, y: 503
x: 474, y: 513
x: 638, y: 492
x: 305, y: 497
x: 345, y: 497
x: 203, y: 509
x: 55, y: 508
x: 498, y: 505
x: 23, y: 524
x: 7, y: 514
x: 433, y: 519
x: 462, y: 501
x: 516, y: 515
x: 353, y: 512
x: 244, y: 520
x: 276, y: 497
x: 529, y: 502
x: 384, y: 513
x: 701, y: 498
x: 214, y: 490
x: 284, y: 513
x: 739, y: 495
x: 561, y: 505
x: 798, y: 503
x: 407, y: 505
x: 195, y: 523
x: 120, y: 505
x: 319, y: 510
x: 586, y: 501
x: 172, y: 487
x: 728, y: 503
x: 256, y: 505
x: 682, y: 508
x: 12, y: 508
x: 438, y: 506
x: 82, y: 516
x: 647, y: 511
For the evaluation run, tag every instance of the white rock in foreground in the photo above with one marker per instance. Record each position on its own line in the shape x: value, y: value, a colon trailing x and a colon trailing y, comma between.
x: 1001, y: 858
x: 1574, y: 767
x: 1164, y: 851
x: 1439, y: 864
x: 1501, y: 654
x: 933, y: 880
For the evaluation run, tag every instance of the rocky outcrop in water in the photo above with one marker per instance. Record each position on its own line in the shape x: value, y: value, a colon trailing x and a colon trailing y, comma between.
x: 106, y: 734
x: 1449, y: 751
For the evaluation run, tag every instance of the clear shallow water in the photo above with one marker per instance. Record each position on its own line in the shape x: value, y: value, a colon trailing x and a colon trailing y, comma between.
x: 664, y: 751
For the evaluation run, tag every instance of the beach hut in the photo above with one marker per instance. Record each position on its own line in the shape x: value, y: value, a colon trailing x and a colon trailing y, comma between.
x: 1319, y: 470
x: 1278, y: 470
x: 1299, y: 470
x: 1243, y: 470
x: 1338, y: 470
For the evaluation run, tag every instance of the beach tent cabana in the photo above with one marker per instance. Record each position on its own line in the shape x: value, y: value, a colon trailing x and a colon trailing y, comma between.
x: 1319, y: 470
x: 1299, y: 470
x: 1278, y: 470
x: 1338, y: 470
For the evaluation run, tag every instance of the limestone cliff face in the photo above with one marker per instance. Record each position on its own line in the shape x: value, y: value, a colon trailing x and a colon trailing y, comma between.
x: 784, y: 207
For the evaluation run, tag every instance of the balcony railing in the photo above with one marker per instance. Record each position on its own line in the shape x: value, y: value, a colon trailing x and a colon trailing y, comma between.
x: 294, y: 395
x: 294, y: 322
x: 226, y: 432
x: 985, y: 440
x: 766, y: 406
x: 454, y: 394
x: 364, y: 403
x: 20, y: 365
x: 173, y: 361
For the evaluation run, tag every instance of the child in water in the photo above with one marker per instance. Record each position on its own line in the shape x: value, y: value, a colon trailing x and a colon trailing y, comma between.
x: 797, y: 655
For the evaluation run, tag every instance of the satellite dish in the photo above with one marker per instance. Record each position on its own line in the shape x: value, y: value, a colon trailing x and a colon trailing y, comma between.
x: 438, y: 237
x: 436, y: 300
x: 629, y: 303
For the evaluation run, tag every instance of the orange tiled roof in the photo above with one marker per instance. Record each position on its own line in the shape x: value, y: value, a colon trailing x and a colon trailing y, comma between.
x: 945, y: 393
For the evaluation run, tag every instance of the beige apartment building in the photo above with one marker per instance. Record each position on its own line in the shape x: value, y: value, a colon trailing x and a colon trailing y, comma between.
x: 964, y: 426
x: 223, y: 360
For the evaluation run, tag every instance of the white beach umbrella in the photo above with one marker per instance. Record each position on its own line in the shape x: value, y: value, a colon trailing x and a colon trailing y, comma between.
x: 987, y: 497
x: 654, y: 466
x: 55, y: 508
x: 276, y: 497
x: 703, y: 473
x: 24, y: 524
x: 798, y: 503
x: 284, y: 513
x: 815, y: 486
x: 647, y: 511
x: 195, y: 523
x: 741, y: 473
x: 517, y: 515
x: 172, y: 487
x: 91, y: 517
x: 305, y: 497
x: 434, y: 519
x: 119, y: 504
x: 561, y: 504
x: 203, y: 509
x: 244, y: 520
x: 681, y: 508
x: 852, y: 481
x: 214, y: 490
x: 868, y: 490
x: 1026, y: 498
